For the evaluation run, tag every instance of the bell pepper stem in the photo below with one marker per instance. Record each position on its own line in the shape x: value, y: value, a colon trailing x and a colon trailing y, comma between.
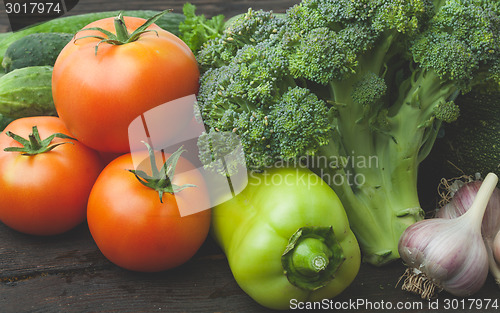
x: 312, y: 257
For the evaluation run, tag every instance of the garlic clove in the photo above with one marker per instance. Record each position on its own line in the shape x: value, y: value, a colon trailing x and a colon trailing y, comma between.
x: 462, y: 200
x: 472, y: 272
x: 496, y: 248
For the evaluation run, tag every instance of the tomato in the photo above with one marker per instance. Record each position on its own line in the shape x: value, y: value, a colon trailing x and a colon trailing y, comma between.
x: 45, y: 193
x: 98, y: 94
x: 137, y: 231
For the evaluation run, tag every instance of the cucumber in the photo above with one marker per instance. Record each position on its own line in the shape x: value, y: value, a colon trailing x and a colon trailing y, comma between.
x: 472, y: 143
x: 4, y: 35
x: 34, y: 50
x: 27, y: 92
x: 4, y: 121
x: 73, y: 23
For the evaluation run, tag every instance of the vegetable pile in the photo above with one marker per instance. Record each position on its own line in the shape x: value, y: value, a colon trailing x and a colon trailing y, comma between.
x: 356, y: 90
x: 52, y: 166
x: 334, y: 105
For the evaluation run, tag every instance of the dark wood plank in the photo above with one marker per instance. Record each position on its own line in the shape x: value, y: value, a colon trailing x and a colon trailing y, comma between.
x: 24, y: 255
x: 202, y: 285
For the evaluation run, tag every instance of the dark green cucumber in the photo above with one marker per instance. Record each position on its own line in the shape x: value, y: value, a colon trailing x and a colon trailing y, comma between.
x: 4, y: 35
x: 35, y: 49
x: 472, y: 143
x: 27, y: 92
x: 73, y: 23
x: 4, y: 121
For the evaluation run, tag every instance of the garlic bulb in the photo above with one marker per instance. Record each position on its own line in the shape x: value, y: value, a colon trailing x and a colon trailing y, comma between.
x: 460, y: 203
x: 448, y: 254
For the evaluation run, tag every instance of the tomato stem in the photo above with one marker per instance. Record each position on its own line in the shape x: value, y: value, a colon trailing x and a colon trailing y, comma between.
x: 34, y: 144
x: 122, y: 35
x: 121, y: 29
x: 161, y: 179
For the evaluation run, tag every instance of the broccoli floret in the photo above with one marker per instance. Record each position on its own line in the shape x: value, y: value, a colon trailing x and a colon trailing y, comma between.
x: 300, y: 123
x: 447, y: 111
x: 252, y: 79
x: 256, y: 97
x: 221, y: 152
x: 250, y: 28
x: 355, y: 81
x: 369, y: 89
x: 322, y: 54
x: 461, y: 38
x: 295, y: 125
x: 403, y: 16
x: 257, y: 137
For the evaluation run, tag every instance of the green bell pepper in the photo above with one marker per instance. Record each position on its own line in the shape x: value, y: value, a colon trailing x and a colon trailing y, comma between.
x: 286, y: 237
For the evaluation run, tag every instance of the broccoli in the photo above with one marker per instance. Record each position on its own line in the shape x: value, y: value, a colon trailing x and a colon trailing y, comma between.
x: 356, y: 90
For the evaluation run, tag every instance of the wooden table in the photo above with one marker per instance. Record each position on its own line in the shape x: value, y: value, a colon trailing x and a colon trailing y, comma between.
x: 67, y: 273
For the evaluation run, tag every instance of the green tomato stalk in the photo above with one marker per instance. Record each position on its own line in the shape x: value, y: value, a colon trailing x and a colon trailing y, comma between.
x: 161, y: 179
x: 34, y: 144
x: 121, y: 35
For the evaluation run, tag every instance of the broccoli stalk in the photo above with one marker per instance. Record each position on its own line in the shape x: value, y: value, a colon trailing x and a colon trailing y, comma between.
x: 356, y: 90
x: 381, y: 197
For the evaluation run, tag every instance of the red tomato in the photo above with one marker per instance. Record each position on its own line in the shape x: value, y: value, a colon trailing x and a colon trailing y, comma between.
x: 98, y: 95
x: 136, y: 231
x: 46, y: 193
